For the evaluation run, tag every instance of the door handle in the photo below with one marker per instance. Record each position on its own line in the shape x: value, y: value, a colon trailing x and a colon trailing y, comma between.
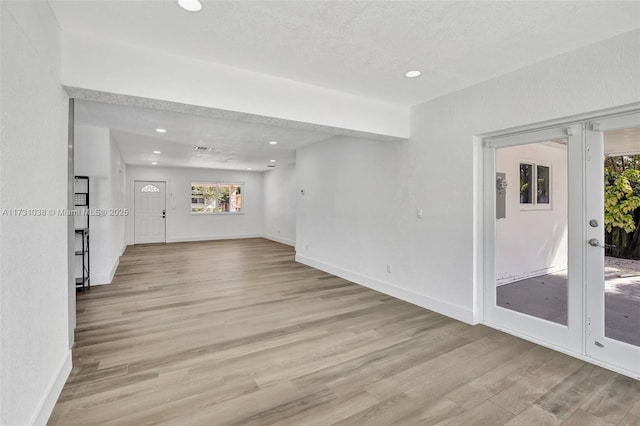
x: 594, y: 242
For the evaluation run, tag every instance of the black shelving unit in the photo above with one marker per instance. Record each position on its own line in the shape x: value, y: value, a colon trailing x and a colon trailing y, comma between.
x: 81, y: 201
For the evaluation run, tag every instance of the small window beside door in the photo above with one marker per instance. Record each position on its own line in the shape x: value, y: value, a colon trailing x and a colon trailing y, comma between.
x: 535, y: 186
x: 216, y: 198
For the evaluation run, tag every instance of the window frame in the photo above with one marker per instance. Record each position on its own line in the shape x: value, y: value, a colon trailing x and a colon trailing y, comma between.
x: 535, y: 204
x: 217, y: 185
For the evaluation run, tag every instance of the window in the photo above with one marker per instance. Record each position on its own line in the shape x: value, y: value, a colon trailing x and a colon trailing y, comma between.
x: 535, y: 185
x: 210, y: 198
x: 150, y: 188
x: 542, y: 184
x: 526, y: 183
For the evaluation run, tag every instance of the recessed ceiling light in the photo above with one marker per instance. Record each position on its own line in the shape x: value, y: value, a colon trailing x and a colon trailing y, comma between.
x: 154, y: 162
x: 190, y: 5
x: 412, y: 74
x: 273, y: 143
x: 248, y: 168
x: 272, y: 161
x: 161, y: 130
x: 157, y: 152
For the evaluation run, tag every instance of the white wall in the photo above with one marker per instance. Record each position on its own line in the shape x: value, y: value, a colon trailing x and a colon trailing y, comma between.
x: 181, y: 225
x: 97, y: 156
x: 346, y: 213
x: 279, y: 223
x: 91, y: 151
x: 529, y: 242
x: 93, y: 63
x: 34, y: 295
x: 436, y: 261
x: 91, y: 158
x: 118, y: 189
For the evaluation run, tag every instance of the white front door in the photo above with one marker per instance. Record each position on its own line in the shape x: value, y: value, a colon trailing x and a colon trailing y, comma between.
x: 150, y: 212
x: 613, y: 283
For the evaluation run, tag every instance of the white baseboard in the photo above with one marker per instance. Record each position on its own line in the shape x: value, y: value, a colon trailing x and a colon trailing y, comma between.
x: 279, y: 240
x: 48, y: 401
x: 211, y: 238
x: 439, y: 306
x: 103, y: 279
x: 114, y: 269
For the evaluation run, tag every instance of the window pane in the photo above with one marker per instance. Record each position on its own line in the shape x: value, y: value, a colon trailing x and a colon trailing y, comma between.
x: 621, y: 286
x: 531, y: 246
x: 229, y: 198
x: 149, y: 188
x: 223, y: 198
x: 203, y: 197
x: 526, y: 183
x: 542, y: 180
x: 235, y: 201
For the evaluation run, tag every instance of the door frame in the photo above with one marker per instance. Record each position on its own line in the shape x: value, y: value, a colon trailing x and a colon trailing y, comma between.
x: 133, y: 203
x: 484, y: 247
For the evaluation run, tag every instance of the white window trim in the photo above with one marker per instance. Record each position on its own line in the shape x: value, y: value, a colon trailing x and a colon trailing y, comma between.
x: 534, y: 206
x: 216, y: 183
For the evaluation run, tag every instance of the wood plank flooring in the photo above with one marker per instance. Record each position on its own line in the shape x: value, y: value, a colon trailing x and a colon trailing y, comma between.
x: 237, y: 333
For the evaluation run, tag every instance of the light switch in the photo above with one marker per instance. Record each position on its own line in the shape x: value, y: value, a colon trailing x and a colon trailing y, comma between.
x: 419, y: 213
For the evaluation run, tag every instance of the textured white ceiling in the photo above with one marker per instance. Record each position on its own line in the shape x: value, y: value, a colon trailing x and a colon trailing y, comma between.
x: 360, y: 47
x: 234, y: 144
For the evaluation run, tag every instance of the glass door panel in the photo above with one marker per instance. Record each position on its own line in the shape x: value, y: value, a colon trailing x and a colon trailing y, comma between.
x: 613, y: 242
x: 622, y: 235
x: 532, y: 236
x: 533, y: 276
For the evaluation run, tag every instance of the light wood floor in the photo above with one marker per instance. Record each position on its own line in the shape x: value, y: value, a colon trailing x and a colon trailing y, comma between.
x: 237, y: 333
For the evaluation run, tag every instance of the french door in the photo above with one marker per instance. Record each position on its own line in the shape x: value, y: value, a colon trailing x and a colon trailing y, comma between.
x: 533, y: 275
x: 548, y: 276
x: 613, y: 283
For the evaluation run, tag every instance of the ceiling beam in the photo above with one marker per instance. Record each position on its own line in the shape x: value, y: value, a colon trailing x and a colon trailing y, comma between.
x: 119, y: 72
